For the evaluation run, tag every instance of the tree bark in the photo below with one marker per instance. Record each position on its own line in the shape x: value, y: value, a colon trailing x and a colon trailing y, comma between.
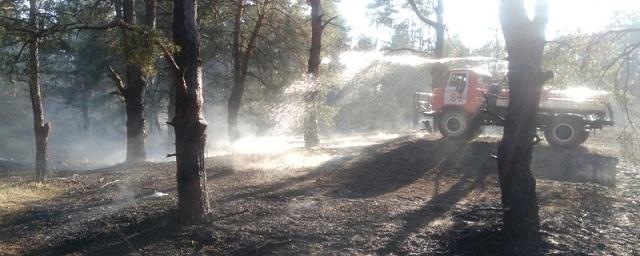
x: 241, y: 64
x: 133, y: 97
x: 133, y: 94
x: 525, y: 44
x: 189, y: 123
x: 238, y: 79
x: 40, y: 128
x: 313, y: 70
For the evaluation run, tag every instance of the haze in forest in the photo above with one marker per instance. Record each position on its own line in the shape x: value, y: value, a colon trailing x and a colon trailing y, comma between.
x: 297, y: 127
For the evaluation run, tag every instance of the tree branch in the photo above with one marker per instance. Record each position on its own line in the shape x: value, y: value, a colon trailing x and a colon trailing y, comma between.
x: 177, y: 71
x: 117, y: 81
x: 424, y: 19
x: 327, y: 22
x: 251, y: 44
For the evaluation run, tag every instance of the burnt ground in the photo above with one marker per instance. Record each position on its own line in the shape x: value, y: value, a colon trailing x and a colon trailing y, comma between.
x: 410, y: 195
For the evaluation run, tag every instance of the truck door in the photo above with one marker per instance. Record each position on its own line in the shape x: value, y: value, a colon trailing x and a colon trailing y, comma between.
x: 455, y: 93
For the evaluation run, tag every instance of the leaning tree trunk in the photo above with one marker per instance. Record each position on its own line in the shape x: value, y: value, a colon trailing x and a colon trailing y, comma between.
x: 313, y: 70
x: 40, y: 128
x: 525, y: 44
x: 189, y: 123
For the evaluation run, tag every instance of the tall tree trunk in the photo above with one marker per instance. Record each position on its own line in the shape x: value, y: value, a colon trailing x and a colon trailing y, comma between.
x: 313, y: 70
x: 525, y: 44
x: 189, y: 123
x: 237, y: 90
x: 134, y: 95
x: 241, y: 64
x: 40, y: 128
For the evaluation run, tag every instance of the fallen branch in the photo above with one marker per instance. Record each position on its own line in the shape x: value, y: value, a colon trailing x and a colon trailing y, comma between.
x: 232, y: 214
x: 109, y: 183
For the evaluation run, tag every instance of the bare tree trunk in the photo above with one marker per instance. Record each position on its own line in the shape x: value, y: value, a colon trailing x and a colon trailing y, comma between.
x: 241, y: 64
x: 40, y: 128
x: 189, y: 123
x: 525, y: 44
x: 133, y: 95
x: 313, y: 70
x: 237, y: 90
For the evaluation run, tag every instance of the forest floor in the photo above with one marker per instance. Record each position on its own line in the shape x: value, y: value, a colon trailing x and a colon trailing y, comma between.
x: 413, y: 194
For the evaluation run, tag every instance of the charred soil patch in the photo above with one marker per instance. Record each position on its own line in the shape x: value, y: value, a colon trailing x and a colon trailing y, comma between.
x: 409, y: 195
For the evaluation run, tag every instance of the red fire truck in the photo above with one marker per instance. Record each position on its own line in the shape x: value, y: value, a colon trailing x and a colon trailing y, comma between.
x: 469, y: 99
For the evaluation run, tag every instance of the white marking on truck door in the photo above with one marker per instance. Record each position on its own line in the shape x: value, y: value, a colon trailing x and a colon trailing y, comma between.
x: 455, y: 93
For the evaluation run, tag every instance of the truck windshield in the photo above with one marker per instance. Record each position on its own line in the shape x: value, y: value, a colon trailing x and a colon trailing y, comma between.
x: 458, y: 80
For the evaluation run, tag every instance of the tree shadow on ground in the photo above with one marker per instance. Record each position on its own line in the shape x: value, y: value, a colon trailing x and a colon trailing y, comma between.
x: 397, y: 165
x: 388, y: 167
x: 488, y: 239
x: 573, y: 164
x: 118, y: 235
x: 372, y: 172
x: 475, y: 165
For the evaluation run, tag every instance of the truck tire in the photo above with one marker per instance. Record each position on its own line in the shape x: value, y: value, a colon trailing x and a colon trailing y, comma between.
x: 565, y: 131
x: 456, y: 124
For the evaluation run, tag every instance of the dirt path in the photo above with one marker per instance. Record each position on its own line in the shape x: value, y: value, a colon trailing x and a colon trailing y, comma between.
x: 409, y: 195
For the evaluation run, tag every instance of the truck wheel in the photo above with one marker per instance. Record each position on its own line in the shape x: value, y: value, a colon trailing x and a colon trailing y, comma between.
x: 565, y: 131
x: 454, y: 124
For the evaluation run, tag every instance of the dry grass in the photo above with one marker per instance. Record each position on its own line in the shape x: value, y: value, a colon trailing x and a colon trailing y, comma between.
x: 16, y: 195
